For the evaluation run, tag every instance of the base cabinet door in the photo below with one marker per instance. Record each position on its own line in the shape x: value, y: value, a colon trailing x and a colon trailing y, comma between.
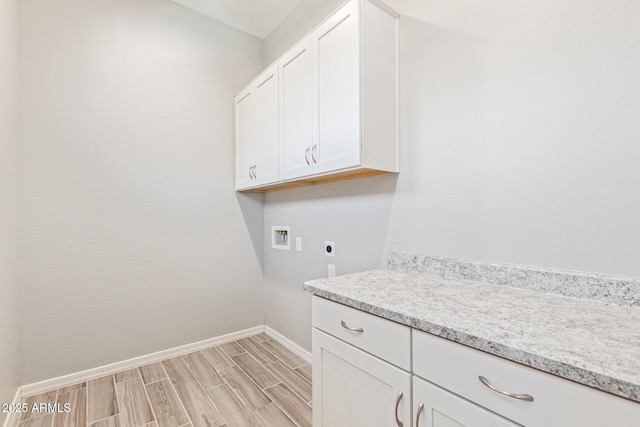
x: 353, y: 388
x: 436, y: 407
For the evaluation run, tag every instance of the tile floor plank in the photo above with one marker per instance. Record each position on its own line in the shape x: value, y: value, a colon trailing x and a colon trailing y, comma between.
x: 284, y: 354
x: 166, y: 405
x: 246, y: 389
x: 260, y: 353
x: 42, y: 421
x: 34, y: 410
x: 291, y: 404
x: 71, y: 388
x: 133, y: 403
x: 251, y: 382
x: 77, y: 401
x: 292, y: 379
x: 232, y: 348
x: 101, y: 397
x: 255, y: 370
x: 153, y: 372
x: 218, y: 358
x: 306, y: 372
x: 108, y: 422
x: 272, y: 416
x: 178, y: 371
x: 199, y: 407
x: 233, y: 410
x: 127, y: 375
x: 261, y: 337
x: 202, y: 369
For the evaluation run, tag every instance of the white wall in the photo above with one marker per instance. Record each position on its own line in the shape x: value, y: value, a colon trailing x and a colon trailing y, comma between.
x: 519, y: 139
x: 9, y: 314
x: 296, y: 25
x: 132, y: 237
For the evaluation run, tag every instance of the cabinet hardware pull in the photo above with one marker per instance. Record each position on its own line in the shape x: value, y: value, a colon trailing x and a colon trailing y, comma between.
x: 486, y: 382
x: 250, y: 176
x: 255, y: 175
x: 420, y: 409
x: 344, y: 325
x: 398, y: 399
x: 313, y: 153
x: 306, y: 156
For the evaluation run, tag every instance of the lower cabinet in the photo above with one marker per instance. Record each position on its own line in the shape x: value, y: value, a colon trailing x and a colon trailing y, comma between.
x: 357, y: 381
x: 436, y: 407
x: 353, y: 388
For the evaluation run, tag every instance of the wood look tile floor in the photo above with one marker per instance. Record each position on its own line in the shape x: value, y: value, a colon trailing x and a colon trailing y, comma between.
x: 251, y: 382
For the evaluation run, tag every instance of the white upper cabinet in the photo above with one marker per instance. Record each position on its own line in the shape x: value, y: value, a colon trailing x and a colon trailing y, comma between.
x: 337, y: 103
x: 336, y: 51
x: 244, y: 138
x: 257, y: 133
x: 296, y: 111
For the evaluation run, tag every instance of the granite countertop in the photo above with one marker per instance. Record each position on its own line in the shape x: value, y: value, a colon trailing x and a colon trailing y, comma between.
x: 586, y: 341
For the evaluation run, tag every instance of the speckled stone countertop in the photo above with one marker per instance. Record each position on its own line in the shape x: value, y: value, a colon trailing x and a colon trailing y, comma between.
x: 587, y: 341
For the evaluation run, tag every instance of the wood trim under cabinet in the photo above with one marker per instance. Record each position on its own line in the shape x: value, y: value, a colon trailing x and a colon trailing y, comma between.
x: 322, y: 179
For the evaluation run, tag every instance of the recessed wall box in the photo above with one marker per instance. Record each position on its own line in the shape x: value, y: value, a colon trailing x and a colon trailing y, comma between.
x: 280, y: 237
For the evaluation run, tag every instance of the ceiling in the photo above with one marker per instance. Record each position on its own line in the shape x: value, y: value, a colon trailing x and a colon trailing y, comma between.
x: 257, y: 17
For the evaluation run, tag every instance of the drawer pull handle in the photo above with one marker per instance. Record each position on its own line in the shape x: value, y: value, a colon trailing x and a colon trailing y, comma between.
x: 344, y: 325
x: 420, y: 409
x: 486, y: 382
x: 398, y: 399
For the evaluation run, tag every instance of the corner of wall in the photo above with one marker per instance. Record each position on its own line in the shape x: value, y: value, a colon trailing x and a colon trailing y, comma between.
x: 9, y: 302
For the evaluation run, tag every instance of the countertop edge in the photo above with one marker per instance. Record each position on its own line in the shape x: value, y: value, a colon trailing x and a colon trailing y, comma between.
x: 553, y: 367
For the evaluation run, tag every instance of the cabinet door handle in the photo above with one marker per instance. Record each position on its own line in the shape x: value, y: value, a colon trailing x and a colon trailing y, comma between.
x: 255, y: 175
x: 420, y: 409
x: 313, y: 153
x: 398, y: 399
x: 344, y: 325
x: 486, y: 382
x: 306, y: 156
x: 250, y: 175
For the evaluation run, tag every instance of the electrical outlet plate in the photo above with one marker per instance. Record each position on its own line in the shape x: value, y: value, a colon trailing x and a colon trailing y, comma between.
x: 331, y: 271
x: 329, y: 248
x: 280, y: 237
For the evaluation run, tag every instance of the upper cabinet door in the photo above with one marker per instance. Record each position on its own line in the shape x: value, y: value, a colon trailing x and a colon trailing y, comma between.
x: 336, y: 49
x: 296, y: 111
x: 245, y: 137
x: 256, y: 118
x: 266, y: 127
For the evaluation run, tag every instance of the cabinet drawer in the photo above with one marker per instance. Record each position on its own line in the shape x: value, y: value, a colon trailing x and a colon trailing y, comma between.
x: 557, y: 402
x: 383, y: 338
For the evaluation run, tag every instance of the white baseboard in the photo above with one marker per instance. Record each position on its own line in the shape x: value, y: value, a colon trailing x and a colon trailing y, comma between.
x: 91, y: 374
x: 13, y: 418
x: 288, y: 343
